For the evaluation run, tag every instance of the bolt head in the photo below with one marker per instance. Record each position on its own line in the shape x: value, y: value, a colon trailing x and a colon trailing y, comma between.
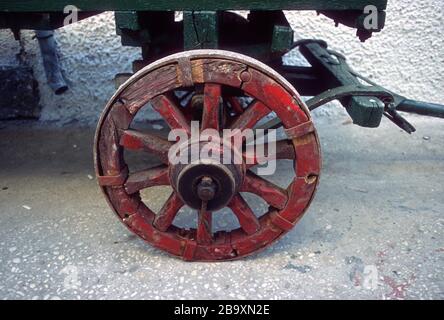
x: 245, y: 76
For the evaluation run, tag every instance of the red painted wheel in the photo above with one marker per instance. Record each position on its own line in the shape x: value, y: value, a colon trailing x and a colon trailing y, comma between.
x: 223, y: 90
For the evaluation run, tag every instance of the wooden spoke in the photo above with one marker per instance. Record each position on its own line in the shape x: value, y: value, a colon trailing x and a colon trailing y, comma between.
x: 188, y: 110
x: 148, y: 178
x: 284, y: 151
x: 251, y: 116
x: 204, y: 228
x: 170, y: 112
x: 142, y: 141
x: 274, y: 195
x: 212, y: 107
x: 247, y: 220
x: 164, y: 219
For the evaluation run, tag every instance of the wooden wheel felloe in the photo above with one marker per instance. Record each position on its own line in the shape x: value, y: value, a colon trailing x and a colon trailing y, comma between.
x: 224, y: 90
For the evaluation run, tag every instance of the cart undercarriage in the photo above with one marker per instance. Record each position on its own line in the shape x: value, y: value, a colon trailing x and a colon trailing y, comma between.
x: 223, y: 72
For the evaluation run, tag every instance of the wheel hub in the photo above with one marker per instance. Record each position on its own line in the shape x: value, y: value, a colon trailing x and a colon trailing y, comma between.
x: 206, y: 180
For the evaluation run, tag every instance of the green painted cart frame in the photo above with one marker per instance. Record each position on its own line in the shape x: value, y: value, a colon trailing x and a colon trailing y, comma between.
x: 198, y: 5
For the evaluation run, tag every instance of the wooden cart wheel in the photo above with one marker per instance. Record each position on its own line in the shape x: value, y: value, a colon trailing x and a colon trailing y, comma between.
x: 220, y: 77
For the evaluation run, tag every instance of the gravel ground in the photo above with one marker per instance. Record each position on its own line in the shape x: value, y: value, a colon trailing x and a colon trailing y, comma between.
x: 374, y: 231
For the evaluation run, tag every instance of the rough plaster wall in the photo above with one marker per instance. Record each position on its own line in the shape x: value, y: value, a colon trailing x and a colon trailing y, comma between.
x: 406, y: 57
x: 90, y: 54
x: 9, y: 48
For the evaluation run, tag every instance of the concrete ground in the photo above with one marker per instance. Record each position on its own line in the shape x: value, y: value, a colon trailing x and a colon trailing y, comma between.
x: 374, y: 231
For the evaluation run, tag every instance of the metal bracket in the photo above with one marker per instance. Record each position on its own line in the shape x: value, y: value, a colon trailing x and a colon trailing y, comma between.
x: 330, y: 78
x: 407, y: 105
x: 354, y: 91
x: 364, y: 91
x: 350, y: 91
x: 332, y: 68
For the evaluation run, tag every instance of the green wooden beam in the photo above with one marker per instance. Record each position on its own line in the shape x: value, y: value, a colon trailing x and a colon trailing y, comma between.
x: 282, y: 38
x: 200, y: 30
x: 168, y: 5
x: 127, y: 20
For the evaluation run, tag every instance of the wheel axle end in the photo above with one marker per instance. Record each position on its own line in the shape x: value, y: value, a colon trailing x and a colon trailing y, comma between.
x: 206, y: 189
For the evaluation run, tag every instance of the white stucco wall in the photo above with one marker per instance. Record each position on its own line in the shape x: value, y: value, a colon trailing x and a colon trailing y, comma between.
x: 407, y: 56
